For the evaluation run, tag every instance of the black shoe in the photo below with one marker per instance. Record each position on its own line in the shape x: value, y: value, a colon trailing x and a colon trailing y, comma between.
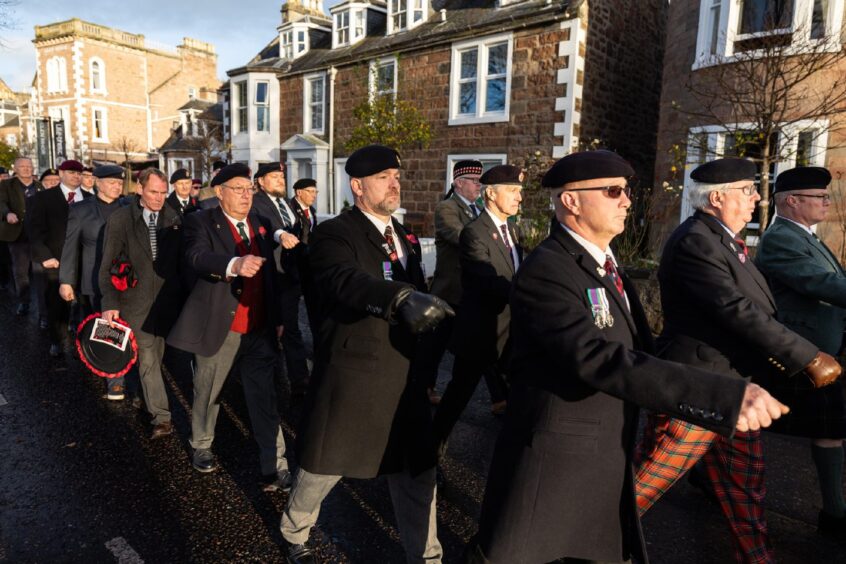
x: 42, y: 324
x: 55, y: 350
x: 832, y: 527
x: 301, y: 554
x: 203, y: 460
x: 281, y: 480
x: 23, y: 309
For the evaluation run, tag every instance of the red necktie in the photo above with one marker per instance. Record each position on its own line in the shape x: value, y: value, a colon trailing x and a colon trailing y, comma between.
x: 71, y: 196
x: 615, y: 276
x: 742, y: 245
x: 308, y: 217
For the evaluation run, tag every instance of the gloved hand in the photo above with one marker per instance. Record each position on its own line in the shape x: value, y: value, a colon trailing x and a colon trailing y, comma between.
x: 823, y: 370
x: 421, y: 312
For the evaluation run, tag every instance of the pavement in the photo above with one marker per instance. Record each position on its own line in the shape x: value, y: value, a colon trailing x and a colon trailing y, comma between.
x: 80, y: 481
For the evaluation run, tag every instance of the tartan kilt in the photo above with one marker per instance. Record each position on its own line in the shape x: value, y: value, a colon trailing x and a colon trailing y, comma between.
x: 816, y: 413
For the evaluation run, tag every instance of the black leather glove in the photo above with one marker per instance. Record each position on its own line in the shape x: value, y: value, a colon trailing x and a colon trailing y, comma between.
x: 420, y: 312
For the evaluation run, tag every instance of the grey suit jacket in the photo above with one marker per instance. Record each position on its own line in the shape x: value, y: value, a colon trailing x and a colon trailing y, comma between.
x: 451, y: 216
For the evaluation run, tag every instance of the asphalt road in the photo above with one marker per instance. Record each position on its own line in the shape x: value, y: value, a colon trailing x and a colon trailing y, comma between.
x: 81, y: 482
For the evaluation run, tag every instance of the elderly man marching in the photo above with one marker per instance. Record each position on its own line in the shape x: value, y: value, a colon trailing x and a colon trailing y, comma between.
x: 560, y: 483
x: 719, y: 315
x: 366, y: 415
x: 809, y: 286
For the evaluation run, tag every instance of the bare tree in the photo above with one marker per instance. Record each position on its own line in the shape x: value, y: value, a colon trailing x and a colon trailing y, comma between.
x: 761, y: 93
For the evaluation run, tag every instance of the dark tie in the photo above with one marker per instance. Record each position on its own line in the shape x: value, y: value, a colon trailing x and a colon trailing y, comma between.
x: 243, y: 232
x: 151, y: 228
x: 389, y: 238
x: 742, y: 244
x: 615, y: 276
x: 71, y: 196
x: 504, y: 229
x: 286, y: 219
x: 474, y: 210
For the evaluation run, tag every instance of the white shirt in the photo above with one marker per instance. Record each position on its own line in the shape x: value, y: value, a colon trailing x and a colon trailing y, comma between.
x: 77, y: 194
x: 229, y: 267
x: 146, y: 214
x: 595, y: 252
x: 381, y: 225
x: 499, y: 223
x: 804, y: 227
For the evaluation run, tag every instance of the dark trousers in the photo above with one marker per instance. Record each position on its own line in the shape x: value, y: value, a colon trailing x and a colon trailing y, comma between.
x: 432, y: 347
x: 38, y: 285
x: 466, y: 374
x: 5, y: 264
x: 292, y: 337
x: 58, y: 310
x: 20, y: 268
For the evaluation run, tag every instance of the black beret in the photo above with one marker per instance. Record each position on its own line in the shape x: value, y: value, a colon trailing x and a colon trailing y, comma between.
x: 503, y: 174
x: 179, y: 174
x: 304, y: 183
x: 71, y: 165
x: 586, y: 165
x: 466, y: 167
x: 110, y: 171
x: 802, y: 178
x: 723, y: 171
x: 87, y: 169
x: 217, y: 165
x: 266, y: 168
x: 372, y: 159
x: 235, y: 170
x: 48, y: 172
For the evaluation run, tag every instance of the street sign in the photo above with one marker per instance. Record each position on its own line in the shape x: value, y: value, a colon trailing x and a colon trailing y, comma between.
x: 60, y: 151
x: 42, y: 130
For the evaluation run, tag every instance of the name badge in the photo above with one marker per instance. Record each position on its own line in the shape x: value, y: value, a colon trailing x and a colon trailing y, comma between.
x: 600, y: 308
x: 387, y: 273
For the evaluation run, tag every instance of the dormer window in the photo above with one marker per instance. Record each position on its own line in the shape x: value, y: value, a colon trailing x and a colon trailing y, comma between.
x: 406, y: 14
x: 349, y: 26
x: 294, y: 42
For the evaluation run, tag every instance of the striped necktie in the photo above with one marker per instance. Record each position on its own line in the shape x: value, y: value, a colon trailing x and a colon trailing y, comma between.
x: 151, y: 228
x: 286, y: 219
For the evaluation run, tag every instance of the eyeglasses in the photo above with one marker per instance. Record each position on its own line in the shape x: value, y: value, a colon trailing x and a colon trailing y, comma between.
x: 241, y: 190
x: 310, y: 190
x: 823, y: 197
x: 748, y: 190
x: 613, y: 192
x: 470, y: 180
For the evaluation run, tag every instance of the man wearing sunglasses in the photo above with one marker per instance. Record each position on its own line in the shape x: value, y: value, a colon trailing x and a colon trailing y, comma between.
x: 719, y: 315
x: 560, y: 483
x: 809, y: 286
x: 231, y: 320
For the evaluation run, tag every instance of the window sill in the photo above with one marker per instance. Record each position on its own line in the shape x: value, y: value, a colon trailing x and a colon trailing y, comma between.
x: 796, y: 49
x: 468, y: 120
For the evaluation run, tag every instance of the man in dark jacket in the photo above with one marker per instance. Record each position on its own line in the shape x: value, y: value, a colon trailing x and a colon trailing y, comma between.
x: 490, y: 255
x: 230, y: 320
x: 719, y: 315
x: 146, y: 234
x: 181, y: 199
x: 48, y: 219
x: 15, y: 194
x: 809, y: 287
x: 560, y: 483
x: 365, y: 416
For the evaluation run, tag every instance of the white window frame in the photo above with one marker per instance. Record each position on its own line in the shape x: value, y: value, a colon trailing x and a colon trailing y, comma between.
x: 192, y: 93
x: 262, y: 106
x: 302, y: 41
x: 374, y: 69
x: 501, y: 158
x: 729, y: 22
x: 411, y: 8
x: 104, y: 124
x: 286, y: 44
x: 241, y: 111
x: 57, y: 75
x: 291, y: 45
x: 101, y: 70
x: 307, y: 103
x: 175, y: 164
x: 483, y: 46
x: 339, y: 29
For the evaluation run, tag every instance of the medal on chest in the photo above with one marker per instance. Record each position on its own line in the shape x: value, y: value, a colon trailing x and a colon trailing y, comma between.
x: 600, y: 308
x: 387, y: 273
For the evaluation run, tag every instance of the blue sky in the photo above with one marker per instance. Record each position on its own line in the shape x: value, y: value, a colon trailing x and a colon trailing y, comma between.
x: 238, y: 30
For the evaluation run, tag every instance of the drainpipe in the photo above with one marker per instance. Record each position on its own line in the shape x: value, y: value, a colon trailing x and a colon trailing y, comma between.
x: 331, y: 164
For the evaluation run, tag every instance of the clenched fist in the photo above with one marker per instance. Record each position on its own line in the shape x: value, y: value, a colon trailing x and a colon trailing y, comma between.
x: 758, y: 409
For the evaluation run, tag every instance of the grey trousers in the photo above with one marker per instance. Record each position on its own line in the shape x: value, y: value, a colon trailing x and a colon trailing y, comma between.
x: 255, y: 359
x: 413, y: 499
x: 150, y: 353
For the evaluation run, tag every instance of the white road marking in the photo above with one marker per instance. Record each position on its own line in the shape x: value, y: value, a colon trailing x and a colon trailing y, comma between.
x: 124, y: 553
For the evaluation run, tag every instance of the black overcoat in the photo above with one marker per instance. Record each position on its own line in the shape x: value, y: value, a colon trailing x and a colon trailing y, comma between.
x: 208, y: 312
x: 47, y: 222
x: 365, y: 415
x: 560, y: 482
x: 13, y: 199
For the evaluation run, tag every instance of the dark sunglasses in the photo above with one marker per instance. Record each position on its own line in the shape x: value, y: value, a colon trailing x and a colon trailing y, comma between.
x: 610, y: 191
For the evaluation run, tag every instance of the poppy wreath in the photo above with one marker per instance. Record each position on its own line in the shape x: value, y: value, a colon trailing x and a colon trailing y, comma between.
x: 96, y: 371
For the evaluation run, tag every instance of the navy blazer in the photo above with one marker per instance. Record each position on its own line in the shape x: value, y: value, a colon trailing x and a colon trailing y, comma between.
x: 207, y: 315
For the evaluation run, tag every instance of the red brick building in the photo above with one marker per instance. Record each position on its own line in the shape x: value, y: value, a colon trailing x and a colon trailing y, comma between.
x: 495, y: 80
